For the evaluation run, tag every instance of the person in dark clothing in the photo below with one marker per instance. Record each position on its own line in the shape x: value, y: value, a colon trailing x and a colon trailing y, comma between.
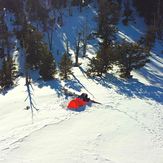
x: 84, y: 97
x: 80, y: 101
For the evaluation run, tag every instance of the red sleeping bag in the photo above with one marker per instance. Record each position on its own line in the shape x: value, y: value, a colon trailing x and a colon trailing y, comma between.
x: 76, y: 103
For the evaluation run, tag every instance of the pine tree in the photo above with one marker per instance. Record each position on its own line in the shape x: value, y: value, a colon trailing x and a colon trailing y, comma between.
x: 59, y: 3
x: 150, y: 37
x: 13, y: 6
x: 4, y: 37
x: 36, y: 11
x: 127, y: 12
x: 34, y: 48
x: 95, y: 67
x: 47, y: 68
x: 65, y: 66
x: 31, y: 41
x: 131, y: 56
x: 7, y: 73
x: 108, y: 16
x: 100, y: 64
x: 147, y: 8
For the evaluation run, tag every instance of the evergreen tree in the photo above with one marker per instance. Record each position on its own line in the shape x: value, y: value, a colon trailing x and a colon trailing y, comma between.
x: 7, y: 73
x: 4, y: 37
x: 59, y: 3
x: 36, y: 11
x: 153, y: 14
x: 34, y: 49
x: 47, y: 66
x: 80, y: 3
x: 95, y: 67
x: 131, y: 56
x: 108, y: 16
x: 37, y: 54
x: 31, y: 40
x: 100, y: 64
x: 65, y: 66
x: 14, y: 6
x: 150, y: 37
x: 127, y: 12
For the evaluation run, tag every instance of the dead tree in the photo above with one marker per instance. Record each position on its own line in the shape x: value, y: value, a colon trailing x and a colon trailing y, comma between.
x: 29, y: 92
x: 85, y: 37
x: 78, y: 40
x: 28, y: 81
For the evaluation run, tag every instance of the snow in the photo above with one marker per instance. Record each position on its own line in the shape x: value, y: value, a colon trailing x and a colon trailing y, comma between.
x: 102, y: 143
x: 126, y: 128
x: 123, y: 129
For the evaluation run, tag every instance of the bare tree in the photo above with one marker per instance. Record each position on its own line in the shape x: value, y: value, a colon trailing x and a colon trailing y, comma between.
x: 50, y: 31
x: 78, y: 41
x: 29, y: 91
x: 70, y: 13
x: 60, y: 17
x: 28, y: 80
x: 48, y: 27
x: 67, y: 46
x: 85, y: 34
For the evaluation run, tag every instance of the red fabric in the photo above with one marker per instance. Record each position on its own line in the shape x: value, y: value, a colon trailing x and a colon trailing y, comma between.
x: 76, y: 103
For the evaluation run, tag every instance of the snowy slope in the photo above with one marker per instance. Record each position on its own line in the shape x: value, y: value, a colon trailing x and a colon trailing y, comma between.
x: 121, y: 130
x: 126, y: 128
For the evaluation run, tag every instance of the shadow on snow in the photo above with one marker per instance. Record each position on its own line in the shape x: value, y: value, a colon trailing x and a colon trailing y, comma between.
x: 132, y: 87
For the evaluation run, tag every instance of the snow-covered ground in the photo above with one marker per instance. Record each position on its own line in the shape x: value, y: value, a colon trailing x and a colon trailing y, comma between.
x: 126, y: 128
x: 123, y: 129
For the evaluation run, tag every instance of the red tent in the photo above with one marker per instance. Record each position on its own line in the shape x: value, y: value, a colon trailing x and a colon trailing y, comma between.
x: 76, y: 103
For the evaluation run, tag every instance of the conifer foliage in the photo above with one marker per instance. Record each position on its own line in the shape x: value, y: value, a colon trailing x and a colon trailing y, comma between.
x: 65, y: 66
x: 150, y: 37
x: 127, y: 12
x: 47, y: 66
x: 30, y: 40
x: 152, y: 11
x: 37, y: 54
x: 100, y: 64
x: 108, y: 16
x: 131, y: 56
x: 7, y: 73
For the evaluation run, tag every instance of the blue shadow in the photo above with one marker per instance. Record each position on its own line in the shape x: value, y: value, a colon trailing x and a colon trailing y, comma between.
x: 132, y: 88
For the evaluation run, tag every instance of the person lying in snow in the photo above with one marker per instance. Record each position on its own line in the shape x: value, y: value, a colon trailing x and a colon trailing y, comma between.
x: 84, y: 97
x: 80, y: 101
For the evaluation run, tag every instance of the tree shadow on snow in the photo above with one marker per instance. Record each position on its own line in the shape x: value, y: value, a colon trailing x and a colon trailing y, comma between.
x: 153, y: 79
x: 73, y: 84
x: 132, y: 87
x: 53, y: 84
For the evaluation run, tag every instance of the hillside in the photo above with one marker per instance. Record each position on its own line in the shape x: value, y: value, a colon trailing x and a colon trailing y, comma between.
x: 126, y: 128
